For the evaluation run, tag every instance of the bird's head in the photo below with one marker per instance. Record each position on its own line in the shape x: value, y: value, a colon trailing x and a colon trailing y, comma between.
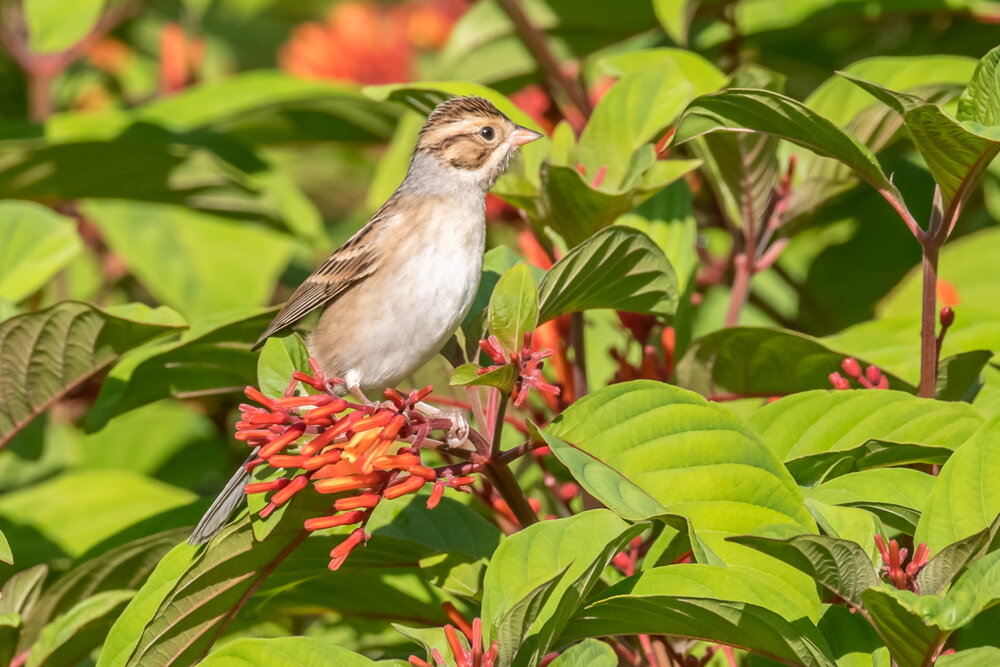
x: 471, y: 139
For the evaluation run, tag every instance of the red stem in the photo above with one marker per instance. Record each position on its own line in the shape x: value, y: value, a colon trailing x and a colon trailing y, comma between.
x: 928, y: 312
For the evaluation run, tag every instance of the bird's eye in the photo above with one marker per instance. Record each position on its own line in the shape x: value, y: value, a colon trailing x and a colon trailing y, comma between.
x: 487, y: 133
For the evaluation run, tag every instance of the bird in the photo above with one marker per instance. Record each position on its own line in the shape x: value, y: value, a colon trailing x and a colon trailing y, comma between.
x: 394, y: 292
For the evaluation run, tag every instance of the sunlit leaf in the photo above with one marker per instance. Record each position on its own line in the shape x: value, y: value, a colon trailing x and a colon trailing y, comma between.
x: 45, y: 354
x: 513, y: 309
x: 35, y: 243
x: 618, y: 268
x: 55, y: 25
x: 284, y: 652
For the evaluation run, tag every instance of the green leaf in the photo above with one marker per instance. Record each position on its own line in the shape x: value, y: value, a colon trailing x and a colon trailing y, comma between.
x: 981, y: 101
x: 55, y: 25
x: 174, y: 616
x: 729, y: 605
x: 751, y: 110
x: 22, y: 589
x: 125, y: 567
x: 840, y: 565
x: 588, y: 653
x: 502, y: 378
x: 906, y: 623
x: 513, y: 309
x: 965, y: 498
x: 78, y: 510
x: 618, y: 268
x: 284, y: 652
x: 550, y: 567
x: 973, y: 657
x: 634, y: 112
x: 958, y: 376
x: 6, y: 555
x: 73, y: 635
x: 956, y: 153
x: 935, y: 78
x: 644, y: 447
x: 857, y: 429
x: 675, y: 17
x: 853, y: 641
x: 761, y: 362
x: 35, y: 244
x: 279, y: 357
x: 952, y: 560
x: 700, y: 72
x: 895, y: 495
x: 573, y: 207
x: 45, y: 354
x: 210, y: 360
x: 177, y: 253
x: 742, y: 169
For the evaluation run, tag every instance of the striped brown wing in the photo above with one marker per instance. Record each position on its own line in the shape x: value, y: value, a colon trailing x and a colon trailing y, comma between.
x: 353, y: 262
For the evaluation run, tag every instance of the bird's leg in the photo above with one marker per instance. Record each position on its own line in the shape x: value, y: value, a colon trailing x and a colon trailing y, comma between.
x: 458, y: 434
x: 356, y: 392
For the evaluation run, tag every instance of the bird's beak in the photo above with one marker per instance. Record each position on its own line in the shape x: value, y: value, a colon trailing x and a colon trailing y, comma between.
x: 522, y: 135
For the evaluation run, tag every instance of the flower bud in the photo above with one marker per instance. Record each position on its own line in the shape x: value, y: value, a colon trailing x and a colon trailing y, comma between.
x: 947, y: 317
x: 365, y: 500
x: 265, y: 487
x: 408, y: 485
x: 350, y: 483
x: 289, y: 490
x: 344, y: 519
x: 436, y: 493
x: 340, y: 552
x: 851, y: 367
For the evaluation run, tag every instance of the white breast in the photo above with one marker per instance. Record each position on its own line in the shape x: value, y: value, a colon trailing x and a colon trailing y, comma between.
x: 413, y: 307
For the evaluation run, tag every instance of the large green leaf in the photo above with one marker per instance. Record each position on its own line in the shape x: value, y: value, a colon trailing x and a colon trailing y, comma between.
x: 956, y: 153
x: 279, y: 358
x: 209, y: 360
x: 45, y: 354
x: 645, y: 448
x: 840, y: 565
x: 74, y: 634
x: 906, y: 623
x: 973, y: 657
x: 513, y: 309
x: 952, y: 560
x: 753, y: 110
x: 197, y: 263
x: 895, y: 495
x: 757, y: 361
x: 184, y: 603
x: 965, y: 498
x: 35, y: 243
x: 817, y: 432
x: 936, y: 78
x: 284, y: 652
x: 588, y: 653
x: 618, y: 268
x: 55, y: 25
x: 730, y: 605
x: 570, y: 553
x: 78, y: 510
x: 634, y: 112
x: 125, y: 567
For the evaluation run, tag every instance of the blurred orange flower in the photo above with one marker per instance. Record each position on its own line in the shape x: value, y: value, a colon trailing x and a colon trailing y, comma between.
x: 369, y: 43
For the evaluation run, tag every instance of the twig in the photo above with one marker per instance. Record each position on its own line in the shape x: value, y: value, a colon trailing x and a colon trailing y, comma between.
x: 579, y: 355
x: 534, y: 40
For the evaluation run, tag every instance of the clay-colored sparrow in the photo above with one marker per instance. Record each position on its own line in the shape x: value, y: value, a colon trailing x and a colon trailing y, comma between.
x: 398, y: 288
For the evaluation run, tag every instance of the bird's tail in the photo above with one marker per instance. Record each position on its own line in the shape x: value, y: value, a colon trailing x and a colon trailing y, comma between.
x: 222, y: 508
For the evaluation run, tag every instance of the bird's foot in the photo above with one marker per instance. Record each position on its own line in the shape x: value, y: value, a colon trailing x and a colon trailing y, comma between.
x: 458, y: 434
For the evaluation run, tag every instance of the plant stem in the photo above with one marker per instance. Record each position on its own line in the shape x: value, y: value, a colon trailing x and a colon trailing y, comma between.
x: 534, y: 40
x: 498, y: 425
x: 579, y: 355
x: 928, y: 319
x: 505, y: 483
x: 740, y: 289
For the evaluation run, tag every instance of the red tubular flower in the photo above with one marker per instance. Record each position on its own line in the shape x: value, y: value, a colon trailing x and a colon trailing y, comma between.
x: 903, y: 578
x: 401, y: 488
x: 340, y: 552
x: 851, y: 367
x: 436, y: 493
x: 320, y: 443
x: 345, y: 519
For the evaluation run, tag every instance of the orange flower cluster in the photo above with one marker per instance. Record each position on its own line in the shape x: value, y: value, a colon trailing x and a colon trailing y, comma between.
x: 369, y: 43
x: 337, y: 447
